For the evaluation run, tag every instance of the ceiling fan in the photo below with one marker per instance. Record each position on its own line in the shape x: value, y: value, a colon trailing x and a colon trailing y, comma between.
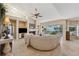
x: 36, y: 14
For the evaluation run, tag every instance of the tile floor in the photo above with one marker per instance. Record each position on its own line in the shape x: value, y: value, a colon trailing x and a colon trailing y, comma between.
x: 21, y: 49
x: 66, y: 48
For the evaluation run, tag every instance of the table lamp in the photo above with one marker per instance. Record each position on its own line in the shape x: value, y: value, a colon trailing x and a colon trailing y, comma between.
x: 6, y: 22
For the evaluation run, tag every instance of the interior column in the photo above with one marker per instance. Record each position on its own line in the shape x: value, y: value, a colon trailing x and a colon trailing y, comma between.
x: 64, y: 30
x: 28, y: 26
x: 77, y: 30
x: 67, y: 30
x: 17, y: 27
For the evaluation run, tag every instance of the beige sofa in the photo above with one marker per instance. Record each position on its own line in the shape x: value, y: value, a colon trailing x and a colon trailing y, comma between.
x: 27, y: 38
x: 44, y: 42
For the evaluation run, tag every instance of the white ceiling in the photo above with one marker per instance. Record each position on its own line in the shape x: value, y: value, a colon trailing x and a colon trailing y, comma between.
x: 50, y: 10
x: 68, y: 10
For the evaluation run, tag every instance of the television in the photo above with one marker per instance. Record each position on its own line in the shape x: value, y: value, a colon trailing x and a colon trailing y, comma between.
x: 22, y: 30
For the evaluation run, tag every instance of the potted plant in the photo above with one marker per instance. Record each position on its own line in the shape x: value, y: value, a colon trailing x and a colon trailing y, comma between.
x: 2, y: 15
x: 2, y: 11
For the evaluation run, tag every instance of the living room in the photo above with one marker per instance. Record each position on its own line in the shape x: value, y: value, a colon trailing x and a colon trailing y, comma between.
x: 39, y: 30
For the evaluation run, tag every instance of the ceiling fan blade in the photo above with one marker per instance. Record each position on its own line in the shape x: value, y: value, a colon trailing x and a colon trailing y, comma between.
x: 36, y: 16
x: 36, y: 9
x: 31, y: 14
x: 40, y: 16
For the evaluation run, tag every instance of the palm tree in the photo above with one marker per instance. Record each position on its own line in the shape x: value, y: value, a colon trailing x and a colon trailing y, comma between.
x: 2, y: 11
x: 2, y: 15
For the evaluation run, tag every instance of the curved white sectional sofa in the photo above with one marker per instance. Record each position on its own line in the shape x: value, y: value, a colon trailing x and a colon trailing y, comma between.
x: 42, y: 42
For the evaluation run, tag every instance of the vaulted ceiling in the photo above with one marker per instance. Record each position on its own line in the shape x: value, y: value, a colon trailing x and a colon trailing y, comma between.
x: 50, y: 10
x: 68, y: 10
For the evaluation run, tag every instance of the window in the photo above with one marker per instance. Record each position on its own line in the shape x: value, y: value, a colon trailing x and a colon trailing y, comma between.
x: 52, y: 29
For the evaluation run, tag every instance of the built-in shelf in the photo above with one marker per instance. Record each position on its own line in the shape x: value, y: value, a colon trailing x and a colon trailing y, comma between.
x: 32, y: 26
